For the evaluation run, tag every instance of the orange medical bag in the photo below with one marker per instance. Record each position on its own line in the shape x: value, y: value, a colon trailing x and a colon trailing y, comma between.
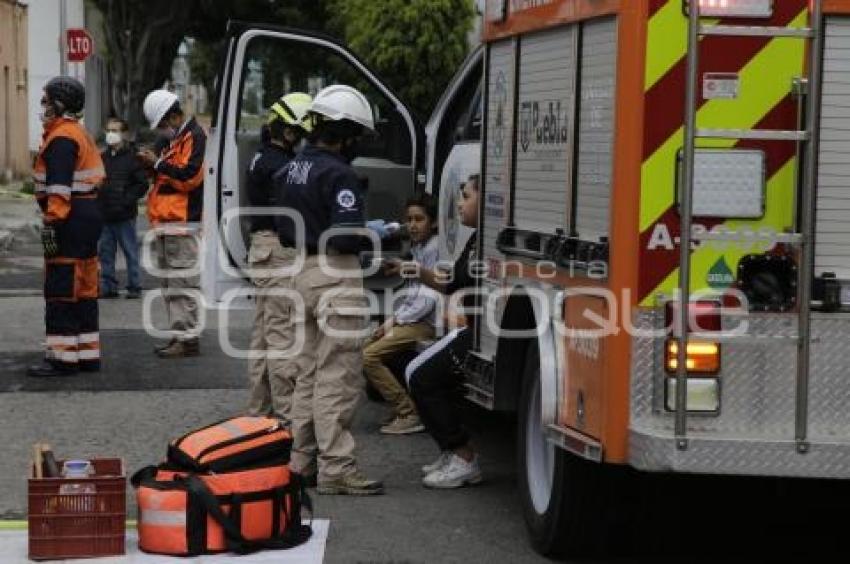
x: 231, y: 443
x: 244, y: 499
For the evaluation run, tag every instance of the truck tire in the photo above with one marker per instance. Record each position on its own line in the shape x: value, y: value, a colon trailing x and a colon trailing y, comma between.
x: 563, y: 496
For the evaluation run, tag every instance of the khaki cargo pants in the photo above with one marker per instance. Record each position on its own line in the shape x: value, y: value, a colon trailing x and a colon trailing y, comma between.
x: 378, y: 351
x: 176, y: 253
x: 271, y: 369
x: 329, y: 369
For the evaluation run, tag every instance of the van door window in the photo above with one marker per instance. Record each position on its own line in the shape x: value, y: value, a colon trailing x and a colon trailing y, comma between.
x: 274, y: 67
x: 263, y: 64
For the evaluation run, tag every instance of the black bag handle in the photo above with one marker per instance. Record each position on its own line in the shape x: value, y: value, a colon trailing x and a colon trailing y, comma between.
x: 297, y: 533
x: 146, y: 473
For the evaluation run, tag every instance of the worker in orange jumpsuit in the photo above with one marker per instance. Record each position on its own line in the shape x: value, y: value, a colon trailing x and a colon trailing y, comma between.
x: 68, y: 171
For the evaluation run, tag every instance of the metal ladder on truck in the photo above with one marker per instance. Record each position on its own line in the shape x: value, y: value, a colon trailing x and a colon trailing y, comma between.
x: 809, y: 137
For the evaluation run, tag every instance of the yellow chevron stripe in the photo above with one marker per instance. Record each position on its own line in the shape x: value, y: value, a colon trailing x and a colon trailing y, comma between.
x: 668, y: 45
x: 762, y: 87
x: 668, y: 42
x: 778, y: 215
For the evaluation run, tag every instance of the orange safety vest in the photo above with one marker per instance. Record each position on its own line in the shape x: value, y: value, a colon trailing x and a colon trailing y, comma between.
x: 171, y: 199
x: 55, y: 199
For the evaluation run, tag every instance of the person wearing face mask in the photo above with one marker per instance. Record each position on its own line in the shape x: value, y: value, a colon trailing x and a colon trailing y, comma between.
x: 321, y: 187
x: 125, y: 184
x: 271, y: 384
x: 174, y: 210
x: 67, y: 173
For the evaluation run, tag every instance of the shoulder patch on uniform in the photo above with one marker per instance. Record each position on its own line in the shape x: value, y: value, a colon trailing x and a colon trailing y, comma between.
x: 346, y: 198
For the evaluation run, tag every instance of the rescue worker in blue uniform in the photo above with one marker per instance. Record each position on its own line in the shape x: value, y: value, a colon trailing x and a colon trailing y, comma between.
x: 272, y: 384
x: 322, y: 188
x: 67, y: 173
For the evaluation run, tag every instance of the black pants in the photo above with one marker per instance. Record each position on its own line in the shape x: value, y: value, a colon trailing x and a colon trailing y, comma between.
x: 71, y: 289
x: 436, y: 386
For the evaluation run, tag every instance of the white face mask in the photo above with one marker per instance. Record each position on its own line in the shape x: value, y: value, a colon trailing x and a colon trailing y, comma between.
x: 113, y: 138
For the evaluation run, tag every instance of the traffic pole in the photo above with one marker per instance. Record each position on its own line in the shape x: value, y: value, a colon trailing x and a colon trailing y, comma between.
x: 63, y: 27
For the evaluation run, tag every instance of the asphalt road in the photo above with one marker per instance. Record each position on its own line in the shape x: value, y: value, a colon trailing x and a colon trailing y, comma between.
x: 139, y: 402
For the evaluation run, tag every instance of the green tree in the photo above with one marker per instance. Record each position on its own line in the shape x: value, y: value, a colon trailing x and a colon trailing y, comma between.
x: 208, y: 30
x: 142, y: 39
x: 204, y: 61
x: 414, y: 45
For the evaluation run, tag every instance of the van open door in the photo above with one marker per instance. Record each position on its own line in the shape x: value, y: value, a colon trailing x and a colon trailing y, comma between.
x: 262, y: 63
x: 454, y: 149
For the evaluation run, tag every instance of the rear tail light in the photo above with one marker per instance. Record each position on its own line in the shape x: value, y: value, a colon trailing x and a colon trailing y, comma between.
x: 703, y: 356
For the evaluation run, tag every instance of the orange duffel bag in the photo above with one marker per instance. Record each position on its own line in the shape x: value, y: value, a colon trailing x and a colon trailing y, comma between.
x: 224, y: 487
x: 232, y: 443
x: 183, y: 513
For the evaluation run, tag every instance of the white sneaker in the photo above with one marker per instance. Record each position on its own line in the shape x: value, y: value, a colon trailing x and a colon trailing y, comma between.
x: 457, y: 473
x: 445, y: 456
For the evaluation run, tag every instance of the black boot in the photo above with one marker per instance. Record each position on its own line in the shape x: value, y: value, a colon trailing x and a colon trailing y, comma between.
x: 49, y: 369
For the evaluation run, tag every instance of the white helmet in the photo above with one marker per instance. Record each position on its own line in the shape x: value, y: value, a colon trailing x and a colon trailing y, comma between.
x: 339, y: 102
x: 157, y: 104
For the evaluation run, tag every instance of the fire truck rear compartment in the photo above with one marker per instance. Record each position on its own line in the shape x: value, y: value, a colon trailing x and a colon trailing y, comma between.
x: 752, y: 431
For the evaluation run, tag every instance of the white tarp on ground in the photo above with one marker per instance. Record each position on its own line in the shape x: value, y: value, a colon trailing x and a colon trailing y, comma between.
x: 13, y: 550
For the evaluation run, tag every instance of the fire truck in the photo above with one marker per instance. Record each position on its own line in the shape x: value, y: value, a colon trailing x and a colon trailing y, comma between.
x: 664, y: 230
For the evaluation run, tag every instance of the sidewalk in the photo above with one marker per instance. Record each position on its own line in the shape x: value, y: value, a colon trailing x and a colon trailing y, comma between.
x: 14, y: 546
x: 19, y: 217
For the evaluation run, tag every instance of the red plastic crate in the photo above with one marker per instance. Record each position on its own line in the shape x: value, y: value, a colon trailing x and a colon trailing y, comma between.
x: 79, y: 525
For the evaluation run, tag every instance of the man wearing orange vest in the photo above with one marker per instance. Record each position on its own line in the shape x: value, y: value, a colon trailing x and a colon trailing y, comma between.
x: 68, y: 170
x: 174, y: 208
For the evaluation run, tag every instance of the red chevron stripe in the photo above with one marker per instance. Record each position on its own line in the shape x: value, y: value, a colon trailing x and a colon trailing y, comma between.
x: 655, y: 5
x: 665, y: 107
x: 777, y: 153
x: 656, y: 265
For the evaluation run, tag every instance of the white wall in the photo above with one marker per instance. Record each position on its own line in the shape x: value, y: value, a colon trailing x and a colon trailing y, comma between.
x: 44, y: 48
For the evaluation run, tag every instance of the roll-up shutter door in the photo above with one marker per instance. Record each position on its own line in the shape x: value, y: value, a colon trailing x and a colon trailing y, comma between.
x: 596, y: 128
x: 497, y: 166
x: 832, y: 230
x: 544, y: 136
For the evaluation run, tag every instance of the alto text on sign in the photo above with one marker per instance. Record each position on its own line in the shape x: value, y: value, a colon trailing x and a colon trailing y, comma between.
x: 80, y: 44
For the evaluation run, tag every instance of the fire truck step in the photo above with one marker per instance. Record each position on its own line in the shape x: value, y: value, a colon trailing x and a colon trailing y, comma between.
x: 756, y: 31
x: 759, y: 134
x: 753, y: 235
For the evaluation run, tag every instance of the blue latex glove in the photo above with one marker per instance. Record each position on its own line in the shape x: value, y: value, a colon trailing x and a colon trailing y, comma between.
x: 379, y: 226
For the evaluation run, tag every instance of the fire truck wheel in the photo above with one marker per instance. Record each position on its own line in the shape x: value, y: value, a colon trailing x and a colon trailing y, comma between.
x: 557, y: 489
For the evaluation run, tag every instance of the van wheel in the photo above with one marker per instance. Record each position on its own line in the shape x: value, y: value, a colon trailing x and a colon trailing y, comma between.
x: 563, y: 498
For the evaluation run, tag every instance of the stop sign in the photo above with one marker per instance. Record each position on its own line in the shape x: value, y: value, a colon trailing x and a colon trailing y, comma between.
x: 80, y: 44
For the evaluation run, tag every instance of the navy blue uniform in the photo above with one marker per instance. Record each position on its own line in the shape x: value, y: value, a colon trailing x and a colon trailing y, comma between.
x: 266, y: 162
x: 67, y: 171
x: 322, y: 187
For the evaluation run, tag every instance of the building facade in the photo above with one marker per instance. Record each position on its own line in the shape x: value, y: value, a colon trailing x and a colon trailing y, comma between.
x: 14, y: 151
x: 48, y: 19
